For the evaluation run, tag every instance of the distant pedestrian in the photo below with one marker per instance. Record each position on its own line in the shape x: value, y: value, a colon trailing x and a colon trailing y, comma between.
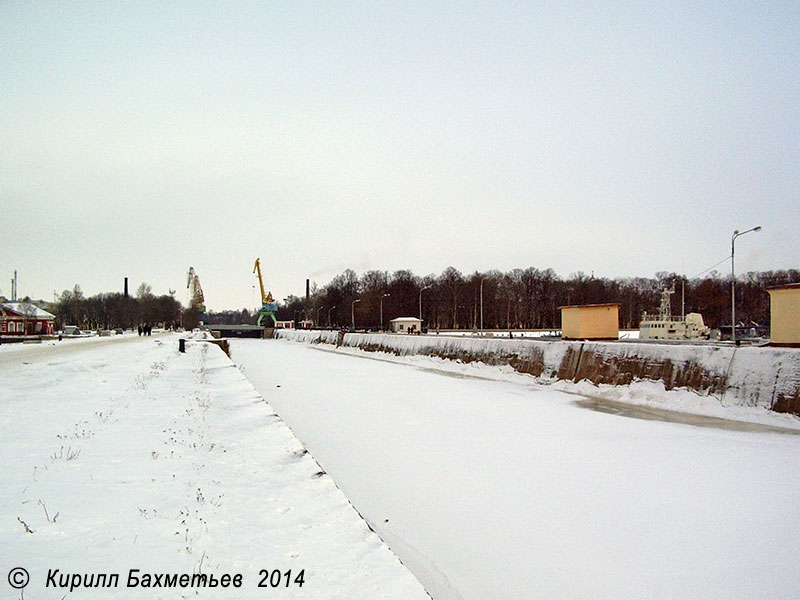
x: 140, y: 331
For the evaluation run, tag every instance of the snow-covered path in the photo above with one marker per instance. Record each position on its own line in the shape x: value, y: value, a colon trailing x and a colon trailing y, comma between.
x: 490, y: 489
x: 130, y: 455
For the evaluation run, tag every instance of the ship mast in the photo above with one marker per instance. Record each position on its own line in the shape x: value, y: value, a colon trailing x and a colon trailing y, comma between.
x: 665, y: 310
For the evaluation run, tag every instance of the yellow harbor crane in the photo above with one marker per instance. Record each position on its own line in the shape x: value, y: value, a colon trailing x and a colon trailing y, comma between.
x: 268, y: 305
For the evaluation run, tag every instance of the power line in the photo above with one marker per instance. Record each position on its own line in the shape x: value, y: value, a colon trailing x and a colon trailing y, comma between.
x: 712, y: 267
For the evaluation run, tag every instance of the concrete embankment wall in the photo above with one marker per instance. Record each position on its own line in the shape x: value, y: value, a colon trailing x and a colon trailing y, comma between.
x: 745, y: 376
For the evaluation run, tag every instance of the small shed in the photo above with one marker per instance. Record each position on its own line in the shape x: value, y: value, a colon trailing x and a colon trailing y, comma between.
x: 784, y: 309
x: 590, y: 321
x: 24, y: 318
x: 406, y: 325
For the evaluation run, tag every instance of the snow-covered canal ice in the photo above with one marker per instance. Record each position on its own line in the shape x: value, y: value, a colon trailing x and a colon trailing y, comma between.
x: 490, y: 489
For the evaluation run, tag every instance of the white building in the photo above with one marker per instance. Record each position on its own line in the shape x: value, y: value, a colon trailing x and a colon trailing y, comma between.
x: 406, y: 325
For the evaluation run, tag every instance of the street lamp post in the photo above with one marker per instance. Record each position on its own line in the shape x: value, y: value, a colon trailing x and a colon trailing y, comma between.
x: 736, y: 234
x: 482, y: 280
x: 382, y: 297
x: 319, y: 309
x: 329, y: 314
x: 427, y: 287
x: 353, y: 313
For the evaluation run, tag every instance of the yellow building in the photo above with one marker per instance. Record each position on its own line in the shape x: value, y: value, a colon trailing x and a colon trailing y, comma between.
x: 784, y: 309
x: 590, y: 322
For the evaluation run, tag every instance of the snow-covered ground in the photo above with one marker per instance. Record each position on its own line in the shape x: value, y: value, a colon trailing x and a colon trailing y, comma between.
x: 624, y: 334
x: 756, y: 377
x: 508, y: 489
x: 673, y: 403
x: 121, y: 453
x: 500, y: 333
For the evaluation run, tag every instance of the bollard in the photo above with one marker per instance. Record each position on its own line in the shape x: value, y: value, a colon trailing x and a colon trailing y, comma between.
x: 181, y: 345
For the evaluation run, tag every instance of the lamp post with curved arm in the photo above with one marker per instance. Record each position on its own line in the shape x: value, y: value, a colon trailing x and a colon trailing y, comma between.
x: 329, y: 314
x: 382, y: 297
x: 427, y: 287
x: 736, y: 234
x: 482, y: 280
x: 353, y: 313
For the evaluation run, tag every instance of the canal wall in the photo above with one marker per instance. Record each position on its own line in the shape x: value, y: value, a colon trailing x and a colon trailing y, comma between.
x: 766, y: 377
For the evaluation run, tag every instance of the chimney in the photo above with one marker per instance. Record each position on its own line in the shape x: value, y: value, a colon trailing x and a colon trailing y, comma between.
x: 126, y: 287
x: 308, y: 294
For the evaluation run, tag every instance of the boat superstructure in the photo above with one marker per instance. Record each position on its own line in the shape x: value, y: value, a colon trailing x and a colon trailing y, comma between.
x: 666, y: 326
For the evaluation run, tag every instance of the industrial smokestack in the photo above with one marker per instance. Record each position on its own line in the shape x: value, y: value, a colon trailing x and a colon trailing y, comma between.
x: 126, y: 287
x: 308, y: 290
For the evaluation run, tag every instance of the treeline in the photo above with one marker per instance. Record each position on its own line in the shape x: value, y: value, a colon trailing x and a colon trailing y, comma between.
x: 524, y: 298
x: 115, y: 310
x: 519, y: 299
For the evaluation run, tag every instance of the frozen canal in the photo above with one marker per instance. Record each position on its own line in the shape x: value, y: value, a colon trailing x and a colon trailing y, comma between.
x: 489, y: 489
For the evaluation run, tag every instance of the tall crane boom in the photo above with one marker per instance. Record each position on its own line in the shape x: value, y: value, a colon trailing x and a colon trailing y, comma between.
x: 268, y: 305
x: 266, y: 297
x: 196, y: 298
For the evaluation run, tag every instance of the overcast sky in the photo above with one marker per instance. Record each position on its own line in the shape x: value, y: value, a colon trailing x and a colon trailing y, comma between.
x: 621, y: 138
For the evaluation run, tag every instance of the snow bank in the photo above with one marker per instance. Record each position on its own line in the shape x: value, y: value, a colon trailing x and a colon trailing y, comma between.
x: 131, y: 455
x: 744, y: 376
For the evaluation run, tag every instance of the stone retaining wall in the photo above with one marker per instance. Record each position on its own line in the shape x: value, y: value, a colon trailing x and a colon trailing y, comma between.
x: 743, y: 376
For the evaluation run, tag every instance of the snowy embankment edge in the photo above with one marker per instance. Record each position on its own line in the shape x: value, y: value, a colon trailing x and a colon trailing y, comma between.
x: 744, y: 383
